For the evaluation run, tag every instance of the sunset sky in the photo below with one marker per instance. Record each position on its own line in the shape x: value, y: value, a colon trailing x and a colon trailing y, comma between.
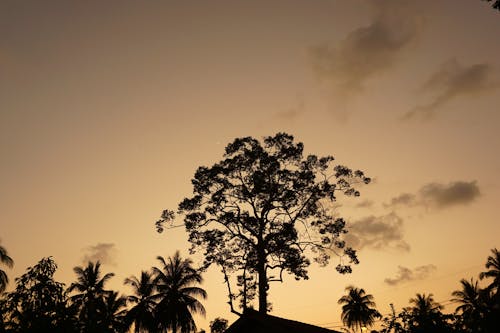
x: 108, y: 107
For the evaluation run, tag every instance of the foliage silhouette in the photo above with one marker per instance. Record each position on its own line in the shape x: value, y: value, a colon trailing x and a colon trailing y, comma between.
x: 6, y: 260
x: 39, y: 303
x: 141, y: 314
x: 177, y: 294
x: 358, y: 309
x: 473, y: 305
x: 425, y: 315
x: 91, y: 295
x: 218, y: 325
x: 257, y: 211
x: 112, y: 313
x: 493, y: 272
x: 492, y: 291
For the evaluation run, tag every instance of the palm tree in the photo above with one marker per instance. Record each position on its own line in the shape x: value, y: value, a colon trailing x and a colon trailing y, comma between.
x: 6, y: 260
x: 493, y: 266
x: 472, y: 304
x: 358, y: 310
x: 142, y: 313
x: 112, y: 313
x: 90, y: 286
x: 492, y: 292
x: 426, y: 313
x: 177, y: 294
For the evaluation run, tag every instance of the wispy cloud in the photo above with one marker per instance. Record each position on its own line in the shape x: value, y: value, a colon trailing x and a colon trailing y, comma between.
x: 377, y: 232
x: 103, y: 252
x: 366, y: 51
x: 365, y: 204
x: 404, y: 199
x: 405, y: 274
x: 450, y: 81
x: 436, y: 195
x: 292, y: 113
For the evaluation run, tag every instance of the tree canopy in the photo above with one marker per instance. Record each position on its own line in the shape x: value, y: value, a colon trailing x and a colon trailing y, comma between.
x: 259, y: 210
x: 6, y: 260
x: 358, y: 308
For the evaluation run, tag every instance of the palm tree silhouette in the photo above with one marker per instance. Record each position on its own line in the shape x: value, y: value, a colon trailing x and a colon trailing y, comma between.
x: 493, y: 266
x: 90, y: 286
x: 358, y: 308
x: 177, y: 294
x: 6, y: 260
x: 112, y: 313
x: 492, y: 292
x: 426, y: 313
x: 472, y: 304
x: 142, y: 313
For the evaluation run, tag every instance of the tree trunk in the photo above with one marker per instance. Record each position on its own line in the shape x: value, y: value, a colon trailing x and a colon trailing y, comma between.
x: 261, y: 269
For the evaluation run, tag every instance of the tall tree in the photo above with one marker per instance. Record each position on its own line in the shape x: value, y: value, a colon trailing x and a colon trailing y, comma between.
x: 6, y: 260
x: 141, y: 314
x: 492, y: 320
x: 39, y: 303
x: 493, y: 271
x: 472, y: 306
x: 256, y: 213
x: 112, y: 313
x: 426, y: 314
x: 91, y: 293
x: 358, y: 309
x: 177, y: 294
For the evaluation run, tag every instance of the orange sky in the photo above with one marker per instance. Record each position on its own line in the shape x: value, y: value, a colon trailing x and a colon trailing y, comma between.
x: 107, y: 109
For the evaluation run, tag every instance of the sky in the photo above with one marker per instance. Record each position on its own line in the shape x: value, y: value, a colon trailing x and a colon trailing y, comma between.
x: 107, y: 109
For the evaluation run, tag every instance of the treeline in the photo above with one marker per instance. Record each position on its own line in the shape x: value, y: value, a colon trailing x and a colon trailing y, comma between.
x: 477, y: 311
x: 164, y: 299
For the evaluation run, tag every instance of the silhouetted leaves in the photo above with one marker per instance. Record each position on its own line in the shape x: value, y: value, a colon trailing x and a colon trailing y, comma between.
x: 259, y: 209
x: 358, y: 309
x: 6, y: 260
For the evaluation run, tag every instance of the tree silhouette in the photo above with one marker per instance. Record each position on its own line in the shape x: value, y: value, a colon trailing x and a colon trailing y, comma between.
x: 472, y: 305
x: 141, y: 314
x: 112, y: 313
x: 492, y: 292
x: 358, y: 309
x: 91, y: 293
x: 256, y: 212
x: 6, y: 260
x: 177, y: 293
x: 425, y: 315
x: 39, y: 303
x: 493, y: 272
x: 218, y: 325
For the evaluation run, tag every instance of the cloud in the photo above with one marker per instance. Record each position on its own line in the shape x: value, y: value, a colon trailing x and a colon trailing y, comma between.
x: 450, y: 81
x: 435, y: 195
x: 377, y: 232
x: 406, y: 199
x: 292, y: 113
x: 456, y: 193
x: 406, y: 274
x: 366, y: 51
x: 103, y: 252
x: 365, y: 204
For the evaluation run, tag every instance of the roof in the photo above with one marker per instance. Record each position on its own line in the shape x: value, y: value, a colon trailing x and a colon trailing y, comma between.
x: 254, y: 322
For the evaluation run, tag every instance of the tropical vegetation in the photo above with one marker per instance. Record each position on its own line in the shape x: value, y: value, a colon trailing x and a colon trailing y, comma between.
x: 164, y: 299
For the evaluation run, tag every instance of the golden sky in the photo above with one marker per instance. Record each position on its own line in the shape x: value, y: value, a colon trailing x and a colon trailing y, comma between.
x: 108, y: 107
